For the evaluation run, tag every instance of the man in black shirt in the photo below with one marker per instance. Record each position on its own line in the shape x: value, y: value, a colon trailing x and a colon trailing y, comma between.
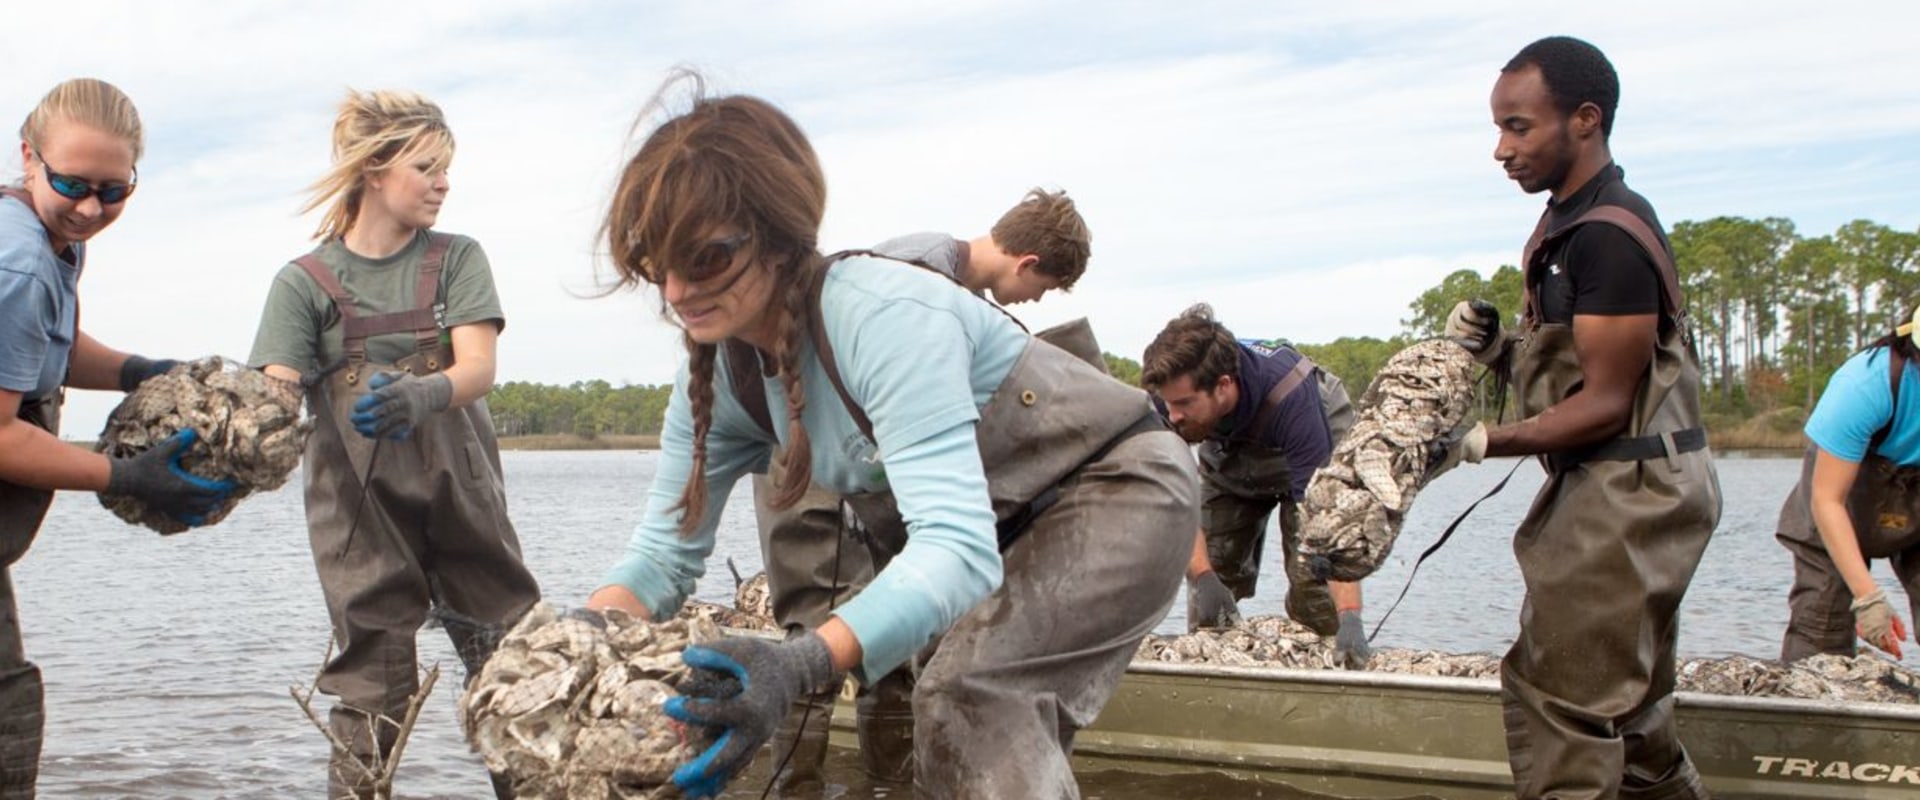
x: 1608, y: 389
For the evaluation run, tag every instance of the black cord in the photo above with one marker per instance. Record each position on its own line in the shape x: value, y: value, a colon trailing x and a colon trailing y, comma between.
x: 361, y: 505
x: 833, y: 599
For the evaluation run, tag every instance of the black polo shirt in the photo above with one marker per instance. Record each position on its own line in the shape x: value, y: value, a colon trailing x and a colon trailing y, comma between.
x: 1599, y: 269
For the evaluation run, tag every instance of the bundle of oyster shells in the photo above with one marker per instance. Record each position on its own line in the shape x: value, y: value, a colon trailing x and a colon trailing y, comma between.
x: 572, y: 706
x: 250, y: 427
x: 1354, y: 505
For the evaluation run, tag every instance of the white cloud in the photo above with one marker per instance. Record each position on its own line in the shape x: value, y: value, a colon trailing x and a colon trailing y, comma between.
x: 1307, y: 168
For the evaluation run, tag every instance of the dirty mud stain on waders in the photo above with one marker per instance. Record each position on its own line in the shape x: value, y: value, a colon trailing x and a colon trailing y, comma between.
x: 1607, y: 552
x: 433, y: 531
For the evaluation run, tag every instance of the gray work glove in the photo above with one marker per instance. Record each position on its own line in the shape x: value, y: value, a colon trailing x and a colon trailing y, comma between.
x: 136, y: 370
x: 1210, y: 603
x: 154, y: 477
x: 398, y: 402
x: 1874, y: 620
x: 1466, y: 443
x: 1351, y: 642
x: 1475, y: 324
x: 742, y: 687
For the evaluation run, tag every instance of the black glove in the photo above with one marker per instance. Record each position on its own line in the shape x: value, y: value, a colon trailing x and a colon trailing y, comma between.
x: 1475, y: 324
x: 398, y: 402
x: 154, y: 477
x: 742, y: 686
x: 136, y: 370
x: 1351, y: 642
x: 1210, y: 604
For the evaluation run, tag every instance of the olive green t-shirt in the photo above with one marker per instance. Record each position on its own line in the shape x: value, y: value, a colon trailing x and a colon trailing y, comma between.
x: 300, y: 327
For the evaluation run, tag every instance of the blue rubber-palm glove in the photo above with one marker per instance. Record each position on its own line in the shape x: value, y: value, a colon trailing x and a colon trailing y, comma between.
x: 741, y: 688
x: 398, y: 402
x: 155, y: 477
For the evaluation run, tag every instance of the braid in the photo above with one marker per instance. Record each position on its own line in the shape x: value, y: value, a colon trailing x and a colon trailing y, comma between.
x: 796, y: 465
x: 693, y: 500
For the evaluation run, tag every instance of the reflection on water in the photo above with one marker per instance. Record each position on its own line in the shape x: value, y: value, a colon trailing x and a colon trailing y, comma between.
x: 168, y: 660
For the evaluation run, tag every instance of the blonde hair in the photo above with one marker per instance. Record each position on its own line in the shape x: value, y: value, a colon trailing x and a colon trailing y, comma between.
x: 91, y: 102
x: 373, y: 131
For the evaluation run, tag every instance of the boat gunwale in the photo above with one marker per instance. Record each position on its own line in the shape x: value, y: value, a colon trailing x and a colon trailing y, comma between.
x: 1863, y: 709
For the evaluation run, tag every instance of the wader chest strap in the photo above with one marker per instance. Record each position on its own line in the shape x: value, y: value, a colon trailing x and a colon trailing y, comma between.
x: 423, y: 320
x: 1896, y: 364
x: 1009, y: 530
x: 1619, y: 217
x: 1270, y: 404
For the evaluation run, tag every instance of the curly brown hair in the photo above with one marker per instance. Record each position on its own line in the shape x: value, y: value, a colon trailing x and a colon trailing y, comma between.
x: 1193, y: 344
x: 1047, y: 225
x: 726, y: 160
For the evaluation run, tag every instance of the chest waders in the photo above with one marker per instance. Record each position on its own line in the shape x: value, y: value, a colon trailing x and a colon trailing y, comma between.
x: 1884, y: 505
x: 22, y: 695
x: 431, y: 530
x: 824, y: 560
x: 22, y: 509
x: 1607, y: 551
x: 1096, y: 504
x: 1242, y: 482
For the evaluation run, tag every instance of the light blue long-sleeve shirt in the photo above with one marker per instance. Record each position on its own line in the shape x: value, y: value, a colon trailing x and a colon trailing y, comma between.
x: 920, y: 356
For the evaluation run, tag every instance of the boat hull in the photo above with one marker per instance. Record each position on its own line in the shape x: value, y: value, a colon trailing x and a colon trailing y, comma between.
x: 1377, y: 735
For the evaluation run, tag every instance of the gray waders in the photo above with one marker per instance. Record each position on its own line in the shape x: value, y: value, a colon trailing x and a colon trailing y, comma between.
x: 1884, y: 504
x: 819, y: 558
x: 1242, y: 482
x: 812, y: 567
x: 22, y: 695
x: 1096, y: 504
x: 1607, y: 551
x: 1089, y: 570
x: 432, y: 531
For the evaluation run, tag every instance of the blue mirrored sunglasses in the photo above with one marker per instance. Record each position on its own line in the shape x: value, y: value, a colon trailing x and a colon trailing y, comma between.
x: 74, y: 188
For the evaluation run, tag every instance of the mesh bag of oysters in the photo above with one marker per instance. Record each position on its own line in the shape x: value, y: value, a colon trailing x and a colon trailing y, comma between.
x: 573, y: 705
x: 250, y: 431
x: 1354, y: 505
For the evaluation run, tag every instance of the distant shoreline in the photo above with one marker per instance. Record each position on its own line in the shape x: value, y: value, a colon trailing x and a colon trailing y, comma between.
x: 568, y: 441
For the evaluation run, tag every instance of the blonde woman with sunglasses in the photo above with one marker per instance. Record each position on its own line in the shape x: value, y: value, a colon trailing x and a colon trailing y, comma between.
x: 78, y: 149
x: 391, y: 326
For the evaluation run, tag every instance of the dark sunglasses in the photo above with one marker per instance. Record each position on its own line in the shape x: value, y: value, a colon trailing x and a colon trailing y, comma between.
x: 711, y: 259
x: 74, y: 188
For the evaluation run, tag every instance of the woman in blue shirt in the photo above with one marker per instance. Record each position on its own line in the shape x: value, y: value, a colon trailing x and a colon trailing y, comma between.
x: 1044, y: 503
x: 1858, y: 499
x: 77, y: 152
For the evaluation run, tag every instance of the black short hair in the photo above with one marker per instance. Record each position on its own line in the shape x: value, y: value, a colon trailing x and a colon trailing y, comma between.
x: 1575, y: 72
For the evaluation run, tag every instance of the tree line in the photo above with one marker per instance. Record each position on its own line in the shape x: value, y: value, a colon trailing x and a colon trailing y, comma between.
x: 1773, y: 312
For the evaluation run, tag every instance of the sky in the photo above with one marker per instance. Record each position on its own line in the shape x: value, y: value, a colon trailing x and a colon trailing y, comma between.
x: 1307, y: 168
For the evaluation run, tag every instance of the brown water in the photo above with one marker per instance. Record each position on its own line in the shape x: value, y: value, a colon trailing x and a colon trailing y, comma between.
x: 168, y: 660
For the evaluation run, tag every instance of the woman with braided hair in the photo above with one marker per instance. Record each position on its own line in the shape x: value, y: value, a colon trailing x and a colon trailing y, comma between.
x: 391, y: 328
x: 1045, y: 504
x: 78, y: 150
